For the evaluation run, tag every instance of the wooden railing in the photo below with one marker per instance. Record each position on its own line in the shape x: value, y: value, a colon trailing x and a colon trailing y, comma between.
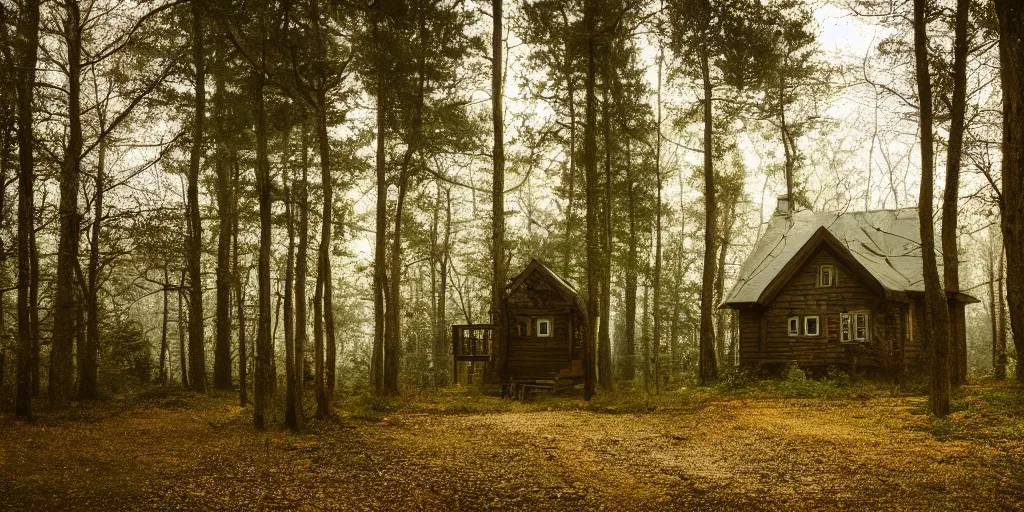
x: 471, y: 343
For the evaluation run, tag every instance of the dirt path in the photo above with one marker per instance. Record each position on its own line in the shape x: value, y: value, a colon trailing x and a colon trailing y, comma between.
x: 750, y: 455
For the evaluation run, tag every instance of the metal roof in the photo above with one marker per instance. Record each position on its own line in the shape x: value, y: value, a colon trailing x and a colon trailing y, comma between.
x: 887, y: 243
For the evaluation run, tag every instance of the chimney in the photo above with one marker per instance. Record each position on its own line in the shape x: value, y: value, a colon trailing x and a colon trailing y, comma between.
x: 785, y: 207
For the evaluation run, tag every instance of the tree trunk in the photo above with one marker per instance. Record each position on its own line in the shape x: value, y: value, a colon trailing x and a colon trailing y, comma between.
x: 720, y: 316
x: 196, y: 347
x: 645, y: 338
x: 604, y: 342
x: 570, y: 83
x: 1011, y: 56
x: 950, y: 249
x: 164, y: 348
x: 441, y: 337
x: 65, y: 314
x: 656, y: 342
x: 996, y: 310
x: 590, y: 171
x: 243, y: 362
x: 34, y: 313
x: 320, y: 385
x: 627, y: 362
x: 708, y: 363
x: 222, y: 344
x: 182, y: 325
x: 936, y: 324
x: 264, y: 351
x: 380, y: 244
x: 87, y: 371
x: 498, y: 270
x: 290, y: 416
x: 301, y: 271
x: 28, y: 38
x: 324, y: 295
x: 1001, y: 309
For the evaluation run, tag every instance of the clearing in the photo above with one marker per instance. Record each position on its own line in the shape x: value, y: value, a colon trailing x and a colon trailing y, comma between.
x: 457, y: 450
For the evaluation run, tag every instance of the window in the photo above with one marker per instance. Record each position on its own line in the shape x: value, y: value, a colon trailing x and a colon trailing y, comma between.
x: 861, y: 326
x: 854, y: 326
x: 812, y: 326
x: 826, y: 276
x: 544, y: 328
x: 794, y: 326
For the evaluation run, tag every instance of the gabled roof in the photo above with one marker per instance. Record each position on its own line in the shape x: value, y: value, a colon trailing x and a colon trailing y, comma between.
x: 882, y: 245
x: 561, y: 284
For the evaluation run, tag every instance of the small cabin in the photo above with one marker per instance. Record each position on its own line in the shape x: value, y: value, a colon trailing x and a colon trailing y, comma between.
x: 844, y: 290
x: 544, y: 332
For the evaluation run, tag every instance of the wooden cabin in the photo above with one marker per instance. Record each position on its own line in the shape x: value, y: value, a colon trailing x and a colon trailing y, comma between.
x: 844, y: 290
x: 545, y: 333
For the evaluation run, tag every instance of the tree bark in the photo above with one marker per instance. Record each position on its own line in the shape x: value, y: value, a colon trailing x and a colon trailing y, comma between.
x: 196, y: 342
x: 570, y: 84
x: 243, y: 361
x: 380, y: 245
x: 656, y: 314
x: 28, y: 47
x: 441, y: 352
x: 87, y: 371
x: 627, y: 362
x: 720, y: 316
x: 590, y: 171
x: 936, y: 324
x: 708, y: 363
x: 164, y: 347
x: 604, y: 342
x: 950, y: 249
x: 645, y: 338
x: 290, y: 417
x: 1001, y: 313
x: 182, y: 325
x: 222, y: 344
x: 264, y: 351
x: 301, y: 271
x: 498, y: 270
x: 1011, y: 58
x: 65, y: 314
x: 996, y: 310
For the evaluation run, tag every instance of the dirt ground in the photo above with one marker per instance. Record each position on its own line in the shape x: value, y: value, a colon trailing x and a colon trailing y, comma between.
x: 715, y: 453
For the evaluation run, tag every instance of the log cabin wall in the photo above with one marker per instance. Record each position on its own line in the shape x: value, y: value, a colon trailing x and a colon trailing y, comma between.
x: 531, y: 355
x: 764, y: 333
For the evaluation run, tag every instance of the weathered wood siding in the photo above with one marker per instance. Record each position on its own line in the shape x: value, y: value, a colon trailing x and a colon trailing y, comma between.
x: 531, y: 356
x: 764, y: 336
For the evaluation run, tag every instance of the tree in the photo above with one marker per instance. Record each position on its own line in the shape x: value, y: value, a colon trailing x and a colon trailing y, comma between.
x: 954, y: 149
x: 590, y: 13
x: 936, y: 321
x: 27, y: 54
x: 66, y: 300
x: 196, y: 342
x: 498, y: 189
x: 1011, y: 54
x: 720, y: 45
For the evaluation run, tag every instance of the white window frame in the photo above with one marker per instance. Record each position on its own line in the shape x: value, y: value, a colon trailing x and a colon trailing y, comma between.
x: 832, y: 274
x: 793, y: 326
x: 850, y: 322
x: 550, y: 328
x: 857, y: 317
x: 817, y: 325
